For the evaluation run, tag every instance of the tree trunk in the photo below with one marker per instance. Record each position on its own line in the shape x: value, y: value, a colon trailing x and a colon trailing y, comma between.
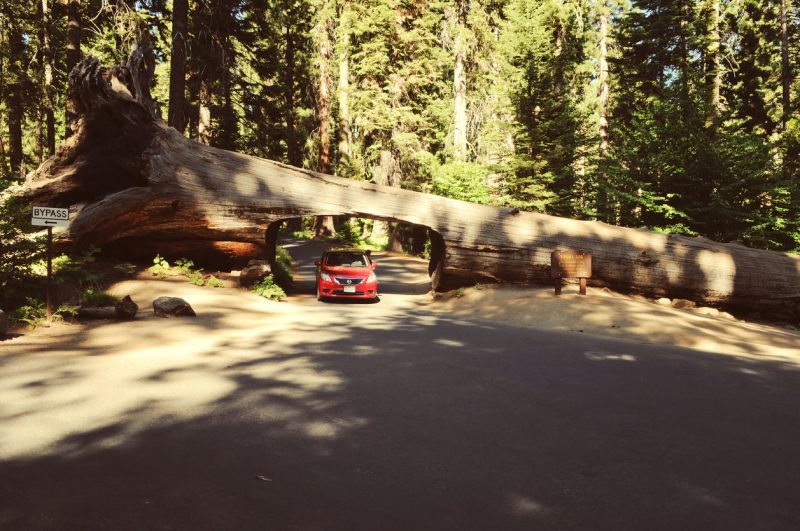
x: 204, y: 113
x: 46, y: 53
x: 345, y: 131
x: 786, y: 73
x: 324, y: 225
x: 137, y: 181
x: 716, y: 65
x: 16, y: 73
x: 460, y: 82
x: 606, y: 209
x: 293, y: 152
x: 177, y: 72
x: 73, y: 55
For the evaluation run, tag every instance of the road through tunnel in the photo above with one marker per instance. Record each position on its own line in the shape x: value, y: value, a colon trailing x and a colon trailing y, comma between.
x: 410, y: 257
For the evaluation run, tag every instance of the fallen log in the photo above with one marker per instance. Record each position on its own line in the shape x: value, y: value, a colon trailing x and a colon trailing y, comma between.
x: 133, y: 183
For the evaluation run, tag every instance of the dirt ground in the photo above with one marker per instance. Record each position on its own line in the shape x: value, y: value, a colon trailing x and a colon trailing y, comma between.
x: 606, y: 313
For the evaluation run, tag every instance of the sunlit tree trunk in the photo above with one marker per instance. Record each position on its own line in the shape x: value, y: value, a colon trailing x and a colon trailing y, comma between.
x: 324, y: 225
x: 460, y: 82
x: 605, y: 207
x: 177, y: 74
x: 345, y: 120
x: 73, y: 53
x: 47, y: 77
x: 786, y: 74
x: 204, y: 113
x: 715, y: 64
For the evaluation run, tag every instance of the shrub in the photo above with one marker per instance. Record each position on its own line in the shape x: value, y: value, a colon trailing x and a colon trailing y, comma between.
x: 93, y: 298
x: 267, y: 288
x: 214, y: 282
x: 34, y: 312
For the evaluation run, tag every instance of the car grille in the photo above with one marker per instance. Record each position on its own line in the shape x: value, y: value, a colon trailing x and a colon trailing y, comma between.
x: 348, y: 281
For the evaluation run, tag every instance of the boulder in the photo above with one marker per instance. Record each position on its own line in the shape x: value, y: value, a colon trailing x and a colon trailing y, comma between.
x: 253, y: 272
x: 126, y: 309
x: 683, y: 304
x: 711, y: 312
x: 663, y: 301
x: 172, y: 307
x: 3, y: 323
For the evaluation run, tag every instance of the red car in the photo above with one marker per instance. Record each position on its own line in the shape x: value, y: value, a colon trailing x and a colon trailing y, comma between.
x: 346, y: 274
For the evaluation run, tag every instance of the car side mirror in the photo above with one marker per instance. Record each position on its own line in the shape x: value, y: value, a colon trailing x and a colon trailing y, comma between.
x: 316, y: 262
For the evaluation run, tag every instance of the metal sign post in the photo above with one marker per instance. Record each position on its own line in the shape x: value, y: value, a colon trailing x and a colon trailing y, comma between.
x: 50, y: 217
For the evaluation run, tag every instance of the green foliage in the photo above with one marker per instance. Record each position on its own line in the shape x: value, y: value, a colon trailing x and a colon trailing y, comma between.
x: 19, y: 252
x: 214, y: 282
x: 462, y: 180
x: 267, y: 288
x: 95, y: 298
x: 34, y: 312
x: 160, y: 267
x: 459, y: 293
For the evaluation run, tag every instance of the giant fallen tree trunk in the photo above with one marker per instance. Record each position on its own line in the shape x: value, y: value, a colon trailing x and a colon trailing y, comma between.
x: 131, y: 181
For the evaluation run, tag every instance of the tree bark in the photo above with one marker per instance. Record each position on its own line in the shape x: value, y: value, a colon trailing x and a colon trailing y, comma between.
x: 345, y: 131
x: 129, y: 179
x: 204, y: 113
x: 16, y: 73
x: 73, y: 55
x: 177, y: 74
x: 293, y: 152
x: 786, y: 73
x: 324, y: 225
x: 716, y: 65
x: 460, y: 82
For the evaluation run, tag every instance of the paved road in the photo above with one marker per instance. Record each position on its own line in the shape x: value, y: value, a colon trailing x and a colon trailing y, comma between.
x: 387, y: 417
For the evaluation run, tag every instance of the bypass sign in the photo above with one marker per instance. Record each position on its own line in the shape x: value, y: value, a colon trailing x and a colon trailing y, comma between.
x: 50, y: 217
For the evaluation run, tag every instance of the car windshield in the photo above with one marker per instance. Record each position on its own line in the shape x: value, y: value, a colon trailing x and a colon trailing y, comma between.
x: 340, y: 258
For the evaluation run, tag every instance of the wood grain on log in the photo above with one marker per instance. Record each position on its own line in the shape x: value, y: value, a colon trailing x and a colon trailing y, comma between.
x: 131, y: 178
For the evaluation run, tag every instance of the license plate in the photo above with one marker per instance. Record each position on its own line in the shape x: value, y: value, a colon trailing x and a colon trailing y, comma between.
x: 349, y: 289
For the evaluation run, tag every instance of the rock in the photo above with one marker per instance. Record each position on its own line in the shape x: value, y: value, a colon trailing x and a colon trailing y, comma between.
x: 663, y: 301
x: 126, y: 308
x: 253, y: 272
x: 172, y: 307
x: 711, y: 312
x: 682, y: 304
x: 3, y: 323
x: 726, y: 315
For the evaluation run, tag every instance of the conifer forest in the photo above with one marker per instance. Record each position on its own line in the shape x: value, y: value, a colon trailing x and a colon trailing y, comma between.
x: 676, y: 115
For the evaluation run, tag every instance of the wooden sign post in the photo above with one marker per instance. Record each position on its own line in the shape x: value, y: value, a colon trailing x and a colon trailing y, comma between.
x: 570, y: 264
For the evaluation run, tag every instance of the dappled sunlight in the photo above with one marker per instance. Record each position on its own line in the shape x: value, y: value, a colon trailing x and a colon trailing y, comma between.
x: 633, y: 318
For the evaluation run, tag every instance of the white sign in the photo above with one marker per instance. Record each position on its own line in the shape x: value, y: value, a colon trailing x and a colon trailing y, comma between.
x: 50, y: 217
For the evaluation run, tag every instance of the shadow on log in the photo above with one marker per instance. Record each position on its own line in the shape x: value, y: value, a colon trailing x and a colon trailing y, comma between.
x: 132, y: 182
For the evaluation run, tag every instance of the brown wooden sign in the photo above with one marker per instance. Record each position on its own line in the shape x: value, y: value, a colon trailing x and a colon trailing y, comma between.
x: 570, y: 264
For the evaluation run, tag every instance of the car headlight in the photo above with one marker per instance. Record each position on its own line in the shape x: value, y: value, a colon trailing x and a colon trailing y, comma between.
x: 325, y: 276
x: 371, y: 278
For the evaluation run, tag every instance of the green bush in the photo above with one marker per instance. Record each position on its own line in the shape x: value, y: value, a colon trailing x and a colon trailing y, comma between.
x: 267, y: 288
x: 19, y: 251
x: 34, y: 312
x: 214, y: 282
x: 93, y: 298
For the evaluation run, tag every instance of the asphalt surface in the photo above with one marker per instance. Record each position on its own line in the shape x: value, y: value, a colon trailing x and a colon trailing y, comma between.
x: 390, y: 417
